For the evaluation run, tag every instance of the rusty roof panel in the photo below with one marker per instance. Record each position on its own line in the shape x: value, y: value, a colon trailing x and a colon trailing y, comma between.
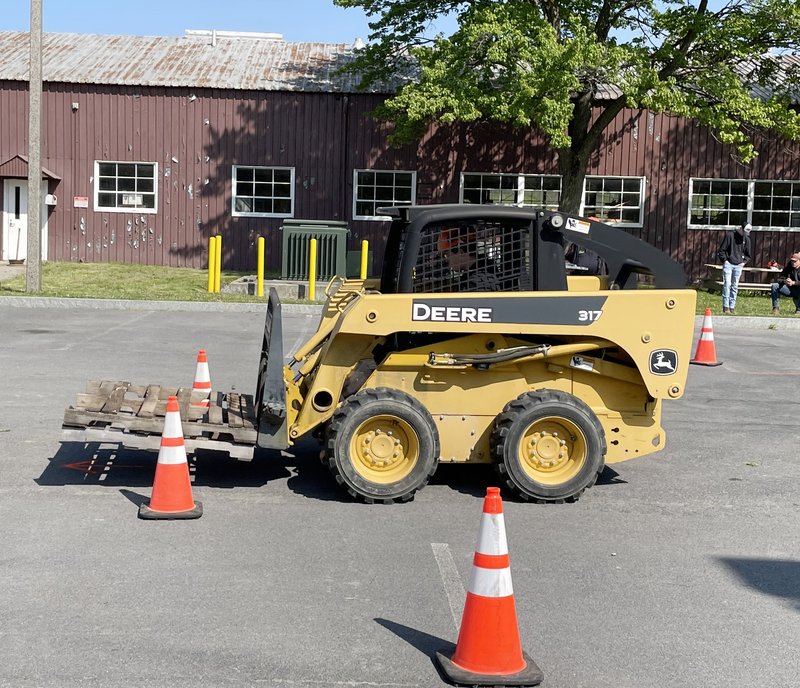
x: 251, y: 64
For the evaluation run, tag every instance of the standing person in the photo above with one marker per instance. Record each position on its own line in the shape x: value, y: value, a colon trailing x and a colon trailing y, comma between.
x: 788, y: 284
x: 734, y: 252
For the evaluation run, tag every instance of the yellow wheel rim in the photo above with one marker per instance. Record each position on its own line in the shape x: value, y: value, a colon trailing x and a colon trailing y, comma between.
x: 384, y: 449
x: 552, y: 450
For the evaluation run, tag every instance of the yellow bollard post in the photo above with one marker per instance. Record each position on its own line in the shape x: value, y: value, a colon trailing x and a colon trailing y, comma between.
x: 212, y: 263
x: 312, y: 270
x: 260, y: 284
x: 364, y: 256
x: 218, y: 265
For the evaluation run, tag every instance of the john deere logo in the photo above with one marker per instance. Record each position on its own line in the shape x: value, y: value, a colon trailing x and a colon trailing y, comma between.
x: 663, y: 362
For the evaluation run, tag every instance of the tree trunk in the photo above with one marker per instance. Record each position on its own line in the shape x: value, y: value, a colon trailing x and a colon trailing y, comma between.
x: 573, y: 172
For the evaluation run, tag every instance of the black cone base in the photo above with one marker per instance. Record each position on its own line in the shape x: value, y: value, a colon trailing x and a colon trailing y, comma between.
x: 710, y: 365
x: 148, y: 514
x: 531, y: 675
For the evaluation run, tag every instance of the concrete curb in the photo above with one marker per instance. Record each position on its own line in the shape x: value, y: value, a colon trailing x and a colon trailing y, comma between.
x: 121, y: 305
x: 741, y: 322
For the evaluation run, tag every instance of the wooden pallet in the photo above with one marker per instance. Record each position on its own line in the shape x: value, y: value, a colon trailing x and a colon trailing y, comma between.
x: 133, y: 416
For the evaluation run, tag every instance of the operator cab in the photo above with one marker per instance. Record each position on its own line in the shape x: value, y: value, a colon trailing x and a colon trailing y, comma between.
x: 465, y: 248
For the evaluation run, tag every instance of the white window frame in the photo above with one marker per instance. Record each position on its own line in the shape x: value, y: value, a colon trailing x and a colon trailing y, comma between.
x: 386, y: 204
x: 751, y: 186
x: 519, y: 190
x: 122, y: 209
x: 642, y: 195
x: 239, y: 213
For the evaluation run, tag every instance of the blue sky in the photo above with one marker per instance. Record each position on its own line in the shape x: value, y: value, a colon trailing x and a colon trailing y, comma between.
x: 299, y: 20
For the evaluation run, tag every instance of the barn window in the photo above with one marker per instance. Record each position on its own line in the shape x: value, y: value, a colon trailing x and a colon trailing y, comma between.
x: 524, y: 190
x: 728, y: 203
x: 614, y: 200
x: 263, y: 191
x: 376, y: 189
x: 126, y: 186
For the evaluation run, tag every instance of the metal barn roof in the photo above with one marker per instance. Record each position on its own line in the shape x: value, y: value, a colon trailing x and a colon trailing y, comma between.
x: 255, y: 62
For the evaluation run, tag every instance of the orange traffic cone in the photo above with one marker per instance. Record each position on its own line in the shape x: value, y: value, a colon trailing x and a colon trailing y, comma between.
x: 488, y: 651
x: 172, y: 487
x: 202, y: 378
x: 706, y: 354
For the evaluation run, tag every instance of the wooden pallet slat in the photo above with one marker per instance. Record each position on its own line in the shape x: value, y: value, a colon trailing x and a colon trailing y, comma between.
x: 234, y: 411
x: 148, y: 406
x: 116, y: 397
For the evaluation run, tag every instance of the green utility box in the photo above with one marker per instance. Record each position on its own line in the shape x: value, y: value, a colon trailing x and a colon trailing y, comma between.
x: 331, y: 236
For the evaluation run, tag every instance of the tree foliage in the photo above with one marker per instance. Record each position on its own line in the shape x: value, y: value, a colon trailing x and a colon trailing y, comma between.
x: 569, y: 67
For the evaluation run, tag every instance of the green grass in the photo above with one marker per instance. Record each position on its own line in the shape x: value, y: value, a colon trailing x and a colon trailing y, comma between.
x: 151, y: 283
x: 750, y: 303
x: 123, y: 281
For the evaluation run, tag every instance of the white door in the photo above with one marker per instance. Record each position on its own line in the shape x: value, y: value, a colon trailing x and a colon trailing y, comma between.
x: 15, y: 219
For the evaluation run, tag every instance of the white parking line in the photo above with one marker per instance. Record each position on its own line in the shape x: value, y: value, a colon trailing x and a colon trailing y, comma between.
x: 453, y: 587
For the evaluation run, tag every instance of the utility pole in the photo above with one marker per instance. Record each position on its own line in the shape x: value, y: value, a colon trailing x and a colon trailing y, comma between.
x: 33, y: 260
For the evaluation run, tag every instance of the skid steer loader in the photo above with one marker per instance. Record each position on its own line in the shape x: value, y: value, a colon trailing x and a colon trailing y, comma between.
x: 476, y: 346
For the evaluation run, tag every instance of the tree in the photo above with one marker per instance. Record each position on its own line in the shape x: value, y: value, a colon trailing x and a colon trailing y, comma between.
x: 545, y: 62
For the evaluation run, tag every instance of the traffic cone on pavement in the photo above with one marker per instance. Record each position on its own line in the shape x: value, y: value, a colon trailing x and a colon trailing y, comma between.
x: 202, y: 378
x: 488, y: 651
x: 706, y: 354
x: 172, y: 487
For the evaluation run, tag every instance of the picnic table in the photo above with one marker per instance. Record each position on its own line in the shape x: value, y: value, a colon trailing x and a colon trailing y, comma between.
x: 760, y: 279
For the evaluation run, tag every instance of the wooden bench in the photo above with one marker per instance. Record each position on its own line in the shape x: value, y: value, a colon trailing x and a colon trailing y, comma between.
x: 713, y: 283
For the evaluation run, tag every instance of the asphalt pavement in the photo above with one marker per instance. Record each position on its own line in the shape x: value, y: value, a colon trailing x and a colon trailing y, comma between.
x: 677, y: 569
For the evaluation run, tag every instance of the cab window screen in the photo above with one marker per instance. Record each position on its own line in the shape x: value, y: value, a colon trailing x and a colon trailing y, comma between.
x: 473, y: 257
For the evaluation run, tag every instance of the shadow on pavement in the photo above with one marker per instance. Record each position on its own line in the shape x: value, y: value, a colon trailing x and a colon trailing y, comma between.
x: 776, y: 577
x: 427, y: 644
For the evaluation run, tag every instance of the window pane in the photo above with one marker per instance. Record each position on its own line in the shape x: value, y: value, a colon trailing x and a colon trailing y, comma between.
x: 551, y: 183
x: 366, y: 193
x: 145, y: 185
x: 282, y: 190
x: 148, y: 201
x: 105, y: 200
x: 631, y: 185
x: 283, y: 176
x: 244, y: 189
x: 781, y: 203
x: 718, y: 187
x: 763, y: 189
x: 366, y: 178
x: 403, y: 195
x: 738, y: 217
x: 145, y: 171
x: 762, y: 219
x: 126, y: 184
x: 762, y: 203
x: 364, y: 209
x: 780, y: 219
x: 781, y: 189
x: 126, y: 170
x: 383, y: 193
x: 282, y: 206
x: 261, y: 190
x: 630, y: 215
x: 262, y: 175
x: 244, y: 174
x: 612, y: 184
x: 738, y: 202
x: 508, y: 182
x: 107, y: 184
x: 244, y: 205
x: 384, y: 179
x: 472, y: 196
x: 491, y: 182
x: 262, y: 205
x: 107, y: 169
x: 701, y: 186
x: 594, y: 184
x: 472, y: 181
x: 403, y: 179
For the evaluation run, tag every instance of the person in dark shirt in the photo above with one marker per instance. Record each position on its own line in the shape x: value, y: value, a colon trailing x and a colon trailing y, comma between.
x: 788, y: 284
x: 733, y: 253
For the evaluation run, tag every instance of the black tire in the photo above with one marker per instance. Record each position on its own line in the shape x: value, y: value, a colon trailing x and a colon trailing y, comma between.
x: 348, y: 452
x: 577, y: 457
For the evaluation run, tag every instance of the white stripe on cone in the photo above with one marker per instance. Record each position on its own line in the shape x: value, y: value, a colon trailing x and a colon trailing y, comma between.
x: 706, y: 336
x: 202, y: 374
x: 172, y: 430
x: 492, y: 535
x: 490, y: 582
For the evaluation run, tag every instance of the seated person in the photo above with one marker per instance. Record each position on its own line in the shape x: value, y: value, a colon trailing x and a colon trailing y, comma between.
x: 788, y: 284
x: 471, y: 271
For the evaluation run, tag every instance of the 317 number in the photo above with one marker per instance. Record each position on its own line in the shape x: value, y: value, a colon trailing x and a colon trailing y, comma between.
x: 590, y: 316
